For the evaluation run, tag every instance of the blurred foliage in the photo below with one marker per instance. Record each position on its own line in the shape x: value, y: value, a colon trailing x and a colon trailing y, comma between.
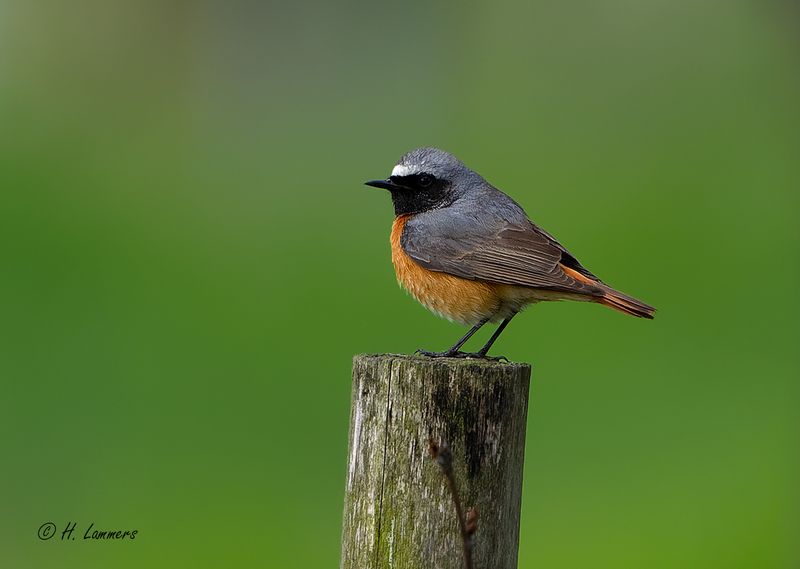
x: 190, y: 260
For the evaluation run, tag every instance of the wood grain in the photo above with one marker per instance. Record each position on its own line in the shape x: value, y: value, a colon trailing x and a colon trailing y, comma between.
x: 398, y: 511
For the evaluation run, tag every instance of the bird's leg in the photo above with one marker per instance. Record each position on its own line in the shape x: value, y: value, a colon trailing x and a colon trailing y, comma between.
x: 454, y: 351
x: 483, y: 351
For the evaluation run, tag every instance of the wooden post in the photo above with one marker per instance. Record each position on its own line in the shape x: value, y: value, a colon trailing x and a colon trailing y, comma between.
x: 399, y: 512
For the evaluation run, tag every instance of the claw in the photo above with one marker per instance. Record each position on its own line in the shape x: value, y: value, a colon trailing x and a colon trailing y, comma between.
x: 447, y: 354
x: 461, y: 355
x: 493, y: 358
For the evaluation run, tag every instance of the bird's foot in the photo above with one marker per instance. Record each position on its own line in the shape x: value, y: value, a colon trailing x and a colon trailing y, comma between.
x: 461, y: 355
x: 492, y: 358
x: 445, y: 354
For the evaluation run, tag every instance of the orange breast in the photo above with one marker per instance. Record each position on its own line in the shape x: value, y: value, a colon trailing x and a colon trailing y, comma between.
x: 451, y: 297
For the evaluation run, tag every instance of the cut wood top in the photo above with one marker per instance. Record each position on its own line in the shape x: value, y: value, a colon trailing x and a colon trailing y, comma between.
x: 475, y: 363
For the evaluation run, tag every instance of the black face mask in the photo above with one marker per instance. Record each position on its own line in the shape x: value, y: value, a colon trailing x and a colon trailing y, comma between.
x: 418, y: 192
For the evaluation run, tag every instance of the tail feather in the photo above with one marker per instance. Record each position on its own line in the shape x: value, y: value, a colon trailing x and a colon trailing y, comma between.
x: 607, y: 296
x: 627, y: 304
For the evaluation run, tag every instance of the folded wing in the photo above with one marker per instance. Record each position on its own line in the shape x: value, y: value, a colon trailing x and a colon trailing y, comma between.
x: 497, y: 251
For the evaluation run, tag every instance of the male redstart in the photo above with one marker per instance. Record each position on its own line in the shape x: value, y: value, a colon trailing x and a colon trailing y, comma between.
x: 468, y: 252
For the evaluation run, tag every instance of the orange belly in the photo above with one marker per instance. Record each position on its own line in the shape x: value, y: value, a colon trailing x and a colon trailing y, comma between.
x: 451, y: 297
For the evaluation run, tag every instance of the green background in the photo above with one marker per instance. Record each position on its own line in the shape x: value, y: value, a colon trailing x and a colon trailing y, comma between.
x: 190, y: 259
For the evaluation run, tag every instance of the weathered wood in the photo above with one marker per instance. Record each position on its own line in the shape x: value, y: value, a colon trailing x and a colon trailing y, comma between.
x: 399, y: 513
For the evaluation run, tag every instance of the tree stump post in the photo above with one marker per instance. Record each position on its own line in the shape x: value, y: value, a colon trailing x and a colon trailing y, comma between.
x: 399, y: 512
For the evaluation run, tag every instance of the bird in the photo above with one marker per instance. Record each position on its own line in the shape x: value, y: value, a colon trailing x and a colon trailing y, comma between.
x: 469, y: 253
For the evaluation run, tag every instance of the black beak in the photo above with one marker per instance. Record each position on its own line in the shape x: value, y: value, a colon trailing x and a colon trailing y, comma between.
x: 385, y: 184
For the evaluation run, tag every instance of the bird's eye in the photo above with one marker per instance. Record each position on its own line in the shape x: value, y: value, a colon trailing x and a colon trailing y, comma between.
x: 425, y: 180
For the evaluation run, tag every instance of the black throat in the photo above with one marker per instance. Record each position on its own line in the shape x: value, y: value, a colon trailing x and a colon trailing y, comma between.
x: 416, y: 198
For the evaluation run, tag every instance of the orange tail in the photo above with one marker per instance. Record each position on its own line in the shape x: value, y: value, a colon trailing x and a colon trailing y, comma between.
x: 627, y: 304
x: 613, y: 298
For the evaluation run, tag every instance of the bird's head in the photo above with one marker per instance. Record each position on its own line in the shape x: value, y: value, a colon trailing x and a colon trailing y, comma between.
x: 425, y: 179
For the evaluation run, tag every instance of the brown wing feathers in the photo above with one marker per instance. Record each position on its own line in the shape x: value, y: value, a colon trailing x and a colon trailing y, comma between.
x: 513, y: 255
x: 516, y: 255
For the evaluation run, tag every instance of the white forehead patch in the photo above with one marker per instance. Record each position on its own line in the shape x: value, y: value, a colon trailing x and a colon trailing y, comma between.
x: 403, y: 170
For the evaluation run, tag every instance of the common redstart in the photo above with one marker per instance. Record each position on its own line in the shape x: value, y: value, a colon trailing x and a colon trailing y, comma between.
x: 468, y: 252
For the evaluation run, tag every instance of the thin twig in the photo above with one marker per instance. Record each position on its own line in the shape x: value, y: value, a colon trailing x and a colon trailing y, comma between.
x: 468, y: 524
